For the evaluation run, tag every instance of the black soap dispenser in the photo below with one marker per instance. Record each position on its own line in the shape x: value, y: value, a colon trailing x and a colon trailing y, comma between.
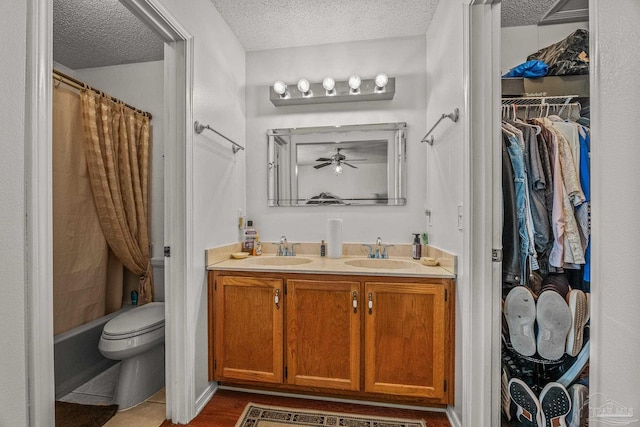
x: 417, y: 247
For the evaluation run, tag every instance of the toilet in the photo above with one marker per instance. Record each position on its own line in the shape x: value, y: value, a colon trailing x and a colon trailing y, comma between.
x: 136, y: 338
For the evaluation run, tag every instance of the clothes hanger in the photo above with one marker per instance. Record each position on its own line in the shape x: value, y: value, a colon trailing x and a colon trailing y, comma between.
x: 537, y: 128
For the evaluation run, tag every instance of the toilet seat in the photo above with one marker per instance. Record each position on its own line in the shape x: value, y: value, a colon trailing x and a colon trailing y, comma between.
x: 142, y: 320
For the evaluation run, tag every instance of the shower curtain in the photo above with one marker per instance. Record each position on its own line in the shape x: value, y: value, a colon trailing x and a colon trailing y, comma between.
x: 87, y: 278
x: 100, y: 205
x: 117, y: 148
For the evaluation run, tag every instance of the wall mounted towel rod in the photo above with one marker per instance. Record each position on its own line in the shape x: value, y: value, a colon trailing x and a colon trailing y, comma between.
x: 199, y: 127
x: 454, y: 116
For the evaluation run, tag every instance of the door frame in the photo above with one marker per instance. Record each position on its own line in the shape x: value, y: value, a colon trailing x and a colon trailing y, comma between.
x: 481, y: 329
x: 178, y: 117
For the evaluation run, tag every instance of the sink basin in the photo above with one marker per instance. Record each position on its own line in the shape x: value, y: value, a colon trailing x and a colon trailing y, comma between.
x: 279, y: 260
x: 389, y: 264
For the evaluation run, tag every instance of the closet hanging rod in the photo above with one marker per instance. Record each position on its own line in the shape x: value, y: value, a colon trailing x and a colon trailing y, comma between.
x: 75, y: 83
x: 536, y: 100
x: 559, y: 108
x: 454, y: 116
x: 575, y: 104
x: 199, y: 127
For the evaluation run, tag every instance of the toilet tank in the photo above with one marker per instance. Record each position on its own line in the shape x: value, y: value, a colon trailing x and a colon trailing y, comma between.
x: 157, y: 264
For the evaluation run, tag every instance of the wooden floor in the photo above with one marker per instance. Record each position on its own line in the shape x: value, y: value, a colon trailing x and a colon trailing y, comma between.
x: 226, y: 406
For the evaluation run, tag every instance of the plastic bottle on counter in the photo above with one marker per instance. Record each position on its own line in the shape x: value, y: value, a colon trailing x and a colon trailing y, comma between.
x: 250, y: 236
x: 257, y: 246
x: 417, y: 247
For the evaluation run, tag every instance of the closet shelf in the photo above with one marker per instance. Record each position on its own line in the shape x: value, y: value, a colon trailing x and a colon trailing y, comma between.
x: 550, y: 86
x: 538, y: 100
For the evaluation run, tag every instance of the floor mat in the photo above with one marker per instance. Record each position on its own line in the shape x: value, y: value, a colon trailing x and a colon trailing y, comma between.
x: 257, y: 415
x: 76, y: 415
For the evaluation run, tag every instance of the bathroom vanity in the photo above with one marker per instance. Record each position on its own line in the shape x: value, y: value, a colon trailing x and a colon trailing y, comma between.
x: 373, y: 329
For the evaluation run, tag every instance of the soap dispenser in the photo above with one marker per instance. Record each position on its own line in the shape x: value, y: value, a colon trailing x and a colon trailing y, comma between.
x: 417, y: 247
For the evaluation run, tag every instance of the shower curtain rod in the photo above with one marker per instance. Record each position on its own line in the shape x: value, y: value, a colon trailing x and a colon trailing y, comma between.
x: 63, y: 78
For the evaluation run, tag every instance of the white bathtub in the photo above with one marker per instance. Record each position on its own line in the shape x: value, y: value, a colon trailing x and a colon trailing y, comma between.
x: 76, y: 355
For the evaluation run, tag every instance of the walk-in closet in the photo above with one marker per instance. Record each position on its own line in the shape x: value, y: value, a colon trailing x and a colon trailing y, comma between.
x: 545, y: 140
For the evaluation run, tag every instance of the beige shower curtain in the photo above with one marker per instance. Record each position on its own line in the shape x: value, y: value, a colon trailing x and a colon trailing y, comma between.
x: 86, y: 285
x: 117, y: 149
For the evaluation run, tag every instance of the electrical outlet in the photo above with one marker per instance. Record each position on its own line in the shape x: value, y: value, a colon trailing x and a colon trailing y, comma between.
x: 459, y: 217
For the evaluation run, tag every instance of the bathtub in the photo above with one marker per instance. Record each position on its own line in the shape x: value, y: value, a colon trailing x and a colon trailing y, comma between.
x: 76, y: 355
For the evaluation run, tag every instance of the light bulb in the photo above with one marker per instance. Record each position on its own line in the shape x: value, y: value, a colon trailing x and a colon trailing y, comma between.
x: 338, y: 168
x: 354, y: 83
x: 280, y: 87
x: 329, y: 84
x: 303, y: 86
x: 381, y: 81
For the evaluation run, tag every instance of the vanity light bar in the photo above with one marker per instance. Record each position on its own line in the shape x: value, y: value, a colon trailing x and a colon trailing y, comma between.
x: 282, y: 94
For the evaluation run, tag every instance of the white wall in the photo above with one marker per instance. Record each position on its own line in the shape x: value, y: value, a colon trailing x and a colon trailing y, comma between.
x: 519, y: 42
x: 402, y: 58
x: 13, y: 327
x: 142, y: 86
x: 615, y: 188
x: 218, y: 175
x: 445, y: 159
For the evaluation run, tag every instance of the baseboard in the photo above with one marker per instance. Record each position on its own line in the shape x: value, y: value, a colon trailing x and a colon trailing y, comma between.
x: 453, y: 417
x: 205, y: 397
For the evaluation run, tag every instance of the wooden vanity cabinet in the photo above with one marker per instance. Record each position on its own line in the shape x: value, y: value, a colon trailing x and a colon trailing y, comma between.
x: 405, y: 339
x: 248, y: 329
x: 376, y: 338
x: 323, y: 334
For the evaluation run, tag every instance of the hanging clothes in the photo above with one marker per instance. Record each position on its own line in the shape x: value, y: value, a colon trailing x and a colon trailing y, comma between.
x: 515, y: 149
x: 548, y: 173
x: 568, y: 149
x: 511, y: 270
x: 537, y: 184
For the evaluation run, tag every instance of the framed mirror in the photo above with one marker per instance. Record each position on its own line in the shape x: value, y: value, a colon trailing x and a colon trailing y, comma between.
x: 337, y: 165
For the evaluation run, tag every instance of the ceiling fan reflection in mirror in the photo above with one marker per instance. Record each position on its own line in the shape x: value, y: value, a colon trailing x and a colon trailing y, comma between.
x: 337, y: 160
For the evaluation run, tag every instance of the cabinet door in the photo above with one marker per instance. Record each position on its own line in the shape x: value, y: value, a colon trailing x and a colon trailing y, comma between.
x: 323, y: 334
x: 405, y: 339
x: 248, y: 329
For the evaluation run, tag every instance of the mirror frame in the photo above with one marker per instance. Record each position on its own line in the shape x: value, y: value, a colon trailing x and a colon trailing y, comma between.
x: 281, y: 157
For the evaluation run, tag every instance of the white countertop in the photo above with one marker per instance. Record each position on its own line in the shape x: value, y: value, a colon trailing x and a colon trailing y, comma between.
x: 323, y: 265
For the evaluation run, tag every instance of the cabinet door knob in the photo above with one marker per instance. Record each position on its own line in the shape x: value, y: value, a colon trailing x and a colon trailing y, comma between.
x: 277, y: 299
x: 370, y: 303
x: 355, y: 302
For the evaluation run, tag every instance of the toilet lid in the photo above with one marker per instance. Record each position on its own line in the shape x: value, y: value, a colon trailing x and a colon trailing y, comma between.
x: 137, y: 321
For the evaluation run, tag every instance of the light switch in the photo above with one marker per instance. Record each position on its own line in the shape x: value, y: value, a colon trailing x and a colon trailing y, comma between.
x: 459, y: 217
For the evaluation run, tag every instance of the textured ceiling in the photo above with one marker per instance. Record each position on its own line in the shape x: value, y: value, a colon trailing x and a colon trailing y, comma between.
x: 524, y: 12
x: 96, y: 33
x: 261, y: 24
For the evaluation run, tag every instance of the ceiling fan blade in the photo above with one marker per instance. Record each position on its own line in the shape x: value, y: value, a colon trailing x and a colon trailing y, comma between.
x: 357, y: 160
x: 324, y: 159
x: 321, y: 165
x: 345, y: 163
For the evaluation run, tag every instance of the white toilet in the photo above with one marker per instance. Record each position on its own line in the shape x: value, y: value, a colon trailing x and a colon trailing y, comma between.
x: 136, y: 338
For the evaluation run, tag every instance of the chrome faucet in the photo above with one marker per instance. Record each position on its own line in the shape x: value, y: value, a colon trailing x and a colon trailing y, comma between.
x: 384, y: 252
x: 370, y: 251
x: 378, y: 244
x: 381, y: 250
x: 282, y: 246
x: 283, y: 249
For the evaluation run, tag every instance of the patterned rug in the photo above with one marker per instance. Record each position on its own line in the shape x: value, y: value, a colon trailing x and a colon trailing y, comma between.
x: 256, y: 415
